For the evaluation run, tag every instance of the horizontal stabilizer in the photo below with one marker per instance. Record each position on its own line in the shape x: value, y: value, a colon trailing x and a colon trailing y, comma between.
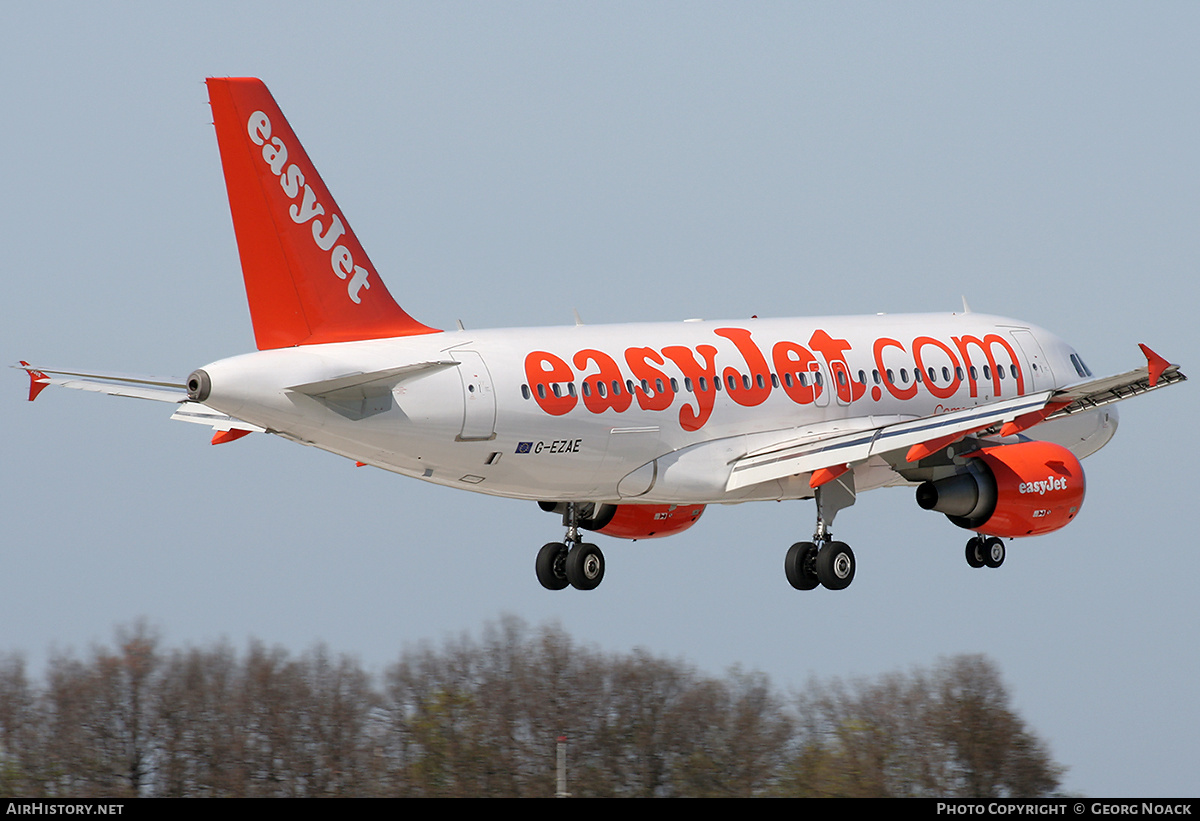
x: 374, y: 383
x: 155, y: 388
x: 201, y: 414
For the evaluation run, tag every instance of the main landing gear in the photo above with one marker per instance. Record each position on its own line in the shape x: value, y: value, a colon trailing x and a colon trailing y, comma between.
x: 823, y: 561
x: 572, y: 561
x: 985, y: 551
x: 830, y: 565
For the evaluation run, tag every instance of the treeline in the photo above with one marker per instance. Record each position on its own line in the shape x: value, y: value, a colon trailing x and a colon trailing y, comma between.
x: 482, y: 717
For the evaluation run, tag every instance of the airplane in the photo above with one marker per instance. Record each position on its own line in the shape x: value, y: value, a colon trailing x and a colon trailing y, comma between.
x: 631, y: 430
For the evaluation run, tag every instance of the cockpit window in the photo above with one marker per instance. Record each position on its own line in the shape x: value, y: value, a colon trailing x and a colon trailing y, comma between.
x: 1080, y: 368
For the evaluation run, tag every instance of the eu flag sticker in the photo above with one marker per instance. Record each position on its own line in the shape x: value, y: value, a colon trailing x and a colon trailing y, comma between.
x: 523, y: 447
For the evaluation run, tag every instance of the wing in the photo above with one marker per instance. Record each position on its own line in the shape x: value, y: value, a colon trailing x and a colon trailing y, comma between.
x: 827, y: 456
x: 157, y: 389
x: 1095, y: 393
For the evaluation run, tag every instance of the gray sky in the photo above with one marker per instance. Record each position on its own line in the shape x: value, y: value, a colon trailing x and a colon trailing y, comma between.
x: 505, y: 163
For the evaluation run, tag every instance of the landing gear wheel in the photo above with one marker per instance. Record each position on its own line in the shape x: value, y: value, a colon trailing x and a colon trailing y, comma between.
x: 835, y: 565
x: 800, y: 566
x: 993, y: 552
x: 551, y: 566
x: 585, y: 566
x: 976, y: 552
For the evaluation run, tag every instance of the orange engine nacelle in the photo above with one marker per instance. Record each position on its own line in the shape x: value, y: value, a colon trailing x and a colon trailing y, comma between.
x: 633, y: 521
x: 1010, y: 490
x: 648, y: 521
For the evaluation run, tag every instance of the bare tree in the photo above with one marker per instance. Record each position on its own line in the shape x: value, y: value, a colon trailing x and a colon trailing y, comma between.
x: 20, y: 739
x: 482, y: 717
x: 948, y: 732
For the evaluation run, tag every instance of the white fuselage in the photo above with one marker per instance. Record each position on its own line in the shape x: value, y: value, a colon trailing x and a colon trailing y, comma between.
x: 534, y: 413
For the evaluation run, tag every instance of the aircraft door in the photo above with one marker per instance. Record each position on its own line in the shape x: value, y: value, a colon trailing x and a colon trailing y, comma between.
x: 479, y: 397
x: 821, y: 386
x: 1041, y: 377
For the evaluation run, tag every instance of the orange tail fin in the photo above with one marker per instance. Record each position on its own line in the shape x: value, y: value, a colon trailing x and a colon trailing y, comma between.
x: 308, y: 279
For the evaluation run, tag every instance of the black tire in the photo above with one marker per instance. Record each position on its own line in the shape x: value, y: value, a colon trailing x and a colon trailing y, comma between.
x: 551, y: 566
x: 993, y: 552
x: 975, y: 551
x: 798, y: 566
x: 835, y: 565
x: 585, y: 566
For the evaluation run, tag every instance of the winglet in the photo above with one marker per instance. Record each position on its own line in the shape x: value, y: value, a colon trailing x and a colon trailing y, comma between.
x: 308, y: 279
x: 1156, y: 364
x: 38, y: 381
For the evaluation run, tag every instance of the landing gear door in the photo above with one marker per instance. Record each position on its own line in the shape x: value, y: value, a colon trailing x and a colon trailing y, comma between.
x: 479, y: 397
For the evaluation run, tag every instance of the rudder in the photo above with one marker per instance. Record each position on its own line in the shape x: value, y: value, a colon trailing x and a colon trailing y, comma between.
x: 308, y: 280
